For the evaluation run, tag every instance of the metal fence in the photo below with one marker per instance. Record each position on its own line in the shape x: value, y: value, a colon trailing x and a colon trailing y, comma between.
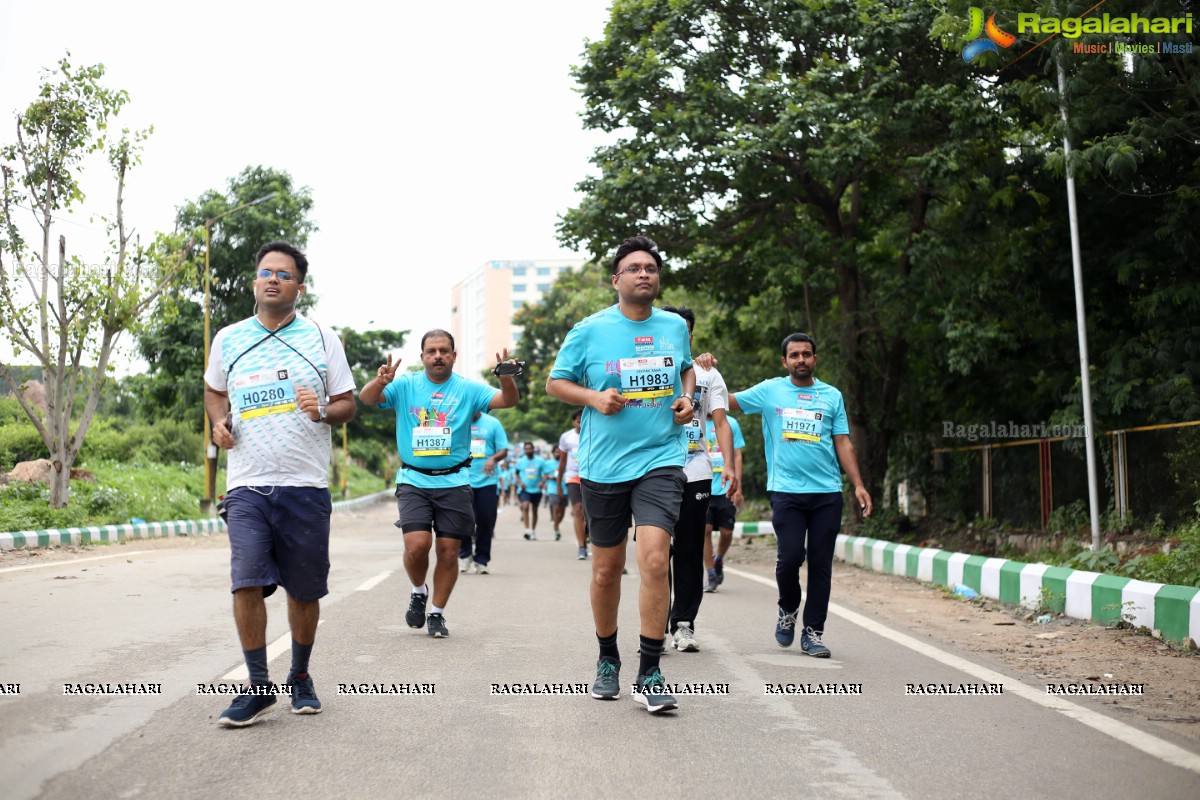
x: 1147, y: 473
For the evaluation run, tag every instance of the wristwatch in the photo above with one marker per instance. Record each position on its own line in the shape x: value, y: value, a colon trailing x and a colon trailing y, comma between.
x: 321, y: 411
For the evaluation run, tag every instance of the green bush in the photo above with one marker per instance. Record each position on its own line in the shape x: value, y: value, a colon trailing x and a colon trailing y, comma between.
x: 1180, y: 567
x: 19, y: 441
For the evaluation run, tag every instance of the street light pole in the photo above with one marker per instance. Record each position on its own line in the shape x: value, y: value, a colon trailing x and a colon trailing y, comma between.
x: 210, y: 449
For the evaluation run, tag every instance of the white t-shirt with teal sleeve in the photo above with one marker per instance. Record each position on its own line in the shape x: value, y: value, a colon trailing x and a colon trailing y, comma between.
x: 643, y: 360
x: 713, y: 394
x: 275, y: 443
x: 798, y: 424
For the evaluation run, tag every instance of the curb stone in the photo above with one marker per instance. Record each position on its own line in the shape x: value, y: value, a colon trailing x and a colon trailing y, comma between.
x: 1100, y: 598
x: 145, y: 530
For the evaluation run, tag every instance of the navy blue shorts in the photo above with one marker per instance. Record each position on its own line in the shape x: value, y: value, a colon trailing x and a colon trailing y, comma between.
x: 530, y: 497
x: 279, y: 536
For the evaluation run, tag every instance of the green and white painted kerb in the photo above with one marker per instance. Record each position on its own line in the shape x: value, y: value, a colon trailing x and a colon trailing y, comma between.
x: 143, y: 530
x: 1173, y: 610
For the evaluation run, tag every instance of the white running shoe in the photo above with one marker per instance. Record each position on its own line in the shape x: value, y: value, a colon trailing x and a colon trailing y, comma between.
x: 464, y: 564
x: 685, y: 640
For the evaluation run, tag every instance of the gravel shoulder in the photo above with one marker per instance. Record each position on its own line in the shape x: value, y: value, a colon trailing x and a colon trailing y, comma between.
x: 1063, y: 651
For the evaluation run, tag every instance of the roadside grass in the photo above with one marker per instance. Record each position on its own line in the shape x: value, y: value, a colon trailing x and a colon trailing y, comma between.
x: 126, y: 491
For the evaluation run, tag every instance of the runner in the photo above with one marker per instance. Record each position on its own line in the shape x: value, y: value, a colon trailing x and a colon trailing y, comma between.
x: 275, y: 384
x: 807, y: 437
x: 631, y: 368
x: 556, y: 500
x: 529, y: 488
x: 687, y: 548
x: 489, y: 448
x: 722, y: 507
x: 434, y: 409
x: 568, y: 474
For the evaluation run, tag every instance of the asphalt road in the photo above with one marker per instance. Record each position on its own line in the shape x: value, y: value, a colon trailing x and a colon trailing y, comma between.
x: 162, y: 616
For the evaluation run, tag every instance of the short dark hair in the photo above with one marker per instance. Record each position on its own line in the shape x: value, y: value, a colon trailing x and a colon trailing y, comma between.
x: 797, y: 337
x: 578, y: 413
x: 437, y: 333
x: 287, y: 249
x: 528, y: 444
x: 688, y: 315
x: 632, y: 245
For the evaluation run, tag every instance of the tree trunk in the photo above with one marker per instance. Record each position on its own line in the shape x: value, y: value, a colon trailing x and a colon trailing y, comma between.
x: 60, y: 481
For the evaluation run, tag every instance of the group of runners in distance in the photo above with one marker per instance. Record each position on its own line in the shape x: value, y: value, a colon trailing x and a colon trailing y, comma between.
x: 652, y: 446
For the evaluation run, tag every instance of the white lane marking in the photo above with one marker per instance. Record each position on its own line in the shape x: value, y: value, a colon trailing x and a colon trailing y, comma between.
x: 373, y: 582
x: 73, y: 561
x: 276, y: 648
x: 1147, y: 743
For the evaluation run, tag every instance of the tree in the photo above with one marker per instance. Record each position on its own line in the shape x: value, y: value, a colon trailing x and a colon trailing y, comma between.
x: 64, y: 312
x: 171, y: 344
x: 812, y: 151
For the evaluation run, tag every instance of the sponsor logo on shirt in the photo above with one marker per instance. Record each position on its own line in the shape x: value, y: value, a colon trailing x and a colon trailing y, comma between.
x: 643, y: 344
x: 612, y: 367
x: 281, y: 375
x: 804, y: 397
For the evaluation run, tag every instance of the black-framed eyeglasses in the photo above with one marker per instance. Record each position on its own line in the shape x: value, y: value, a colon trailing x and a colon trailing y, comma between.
x: 650, y: 269
x: 282, y: 274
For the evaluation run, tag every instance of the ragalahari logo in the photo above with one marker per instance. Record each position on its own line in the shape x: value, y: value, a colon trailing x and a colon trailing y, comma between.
x: 983, y: 38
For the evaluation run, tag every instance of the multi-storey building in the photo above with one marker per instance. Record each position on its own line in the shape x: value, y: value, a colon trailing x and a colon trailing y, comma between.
x: 482, y: 307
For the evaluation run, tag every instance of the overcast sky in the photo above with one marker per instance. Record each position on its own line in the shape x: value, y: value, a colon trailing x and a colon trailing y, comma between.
x: 434, y: 137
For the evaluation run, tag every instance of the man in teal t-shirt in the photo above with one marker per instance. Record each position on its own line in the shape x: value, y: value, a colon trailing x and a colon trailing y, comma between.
x: 630, y: 366
x: 806, y: 437
x: 434, y: 411
x: 529, y: 488
x: 489, y: 448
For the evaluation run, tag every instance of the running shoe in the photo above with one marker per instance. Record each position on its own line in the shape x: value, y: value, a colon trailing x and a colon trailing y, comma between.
x: 651, y: 691
x: 785, y: 628
x: 482, y: 569
x: 416, y: 610
x: 304, y: 695
x: 437, y: 626
x: 685, y: 639
x: 608, y: 679
x: 557, y: 534
x: 719, y: 568
x: 464, y: 564
x: 713, y: 583
x: 810, y: 643
x: 248, y: 707
x: 582, y: 554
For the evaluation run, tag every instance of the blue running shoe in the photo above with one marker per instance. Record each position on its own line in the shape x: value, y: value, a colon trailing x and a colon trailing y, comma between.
x: 810, y: 643
x: 250, y: 704
x: 785, y: 628
x: 304, y: 695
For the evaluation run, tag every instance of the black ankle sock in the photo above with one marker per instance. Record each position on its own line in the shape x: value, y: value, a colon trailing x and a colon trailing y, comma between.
x: 256, y: 664
x: 608, y: 647
x: 650, y: 651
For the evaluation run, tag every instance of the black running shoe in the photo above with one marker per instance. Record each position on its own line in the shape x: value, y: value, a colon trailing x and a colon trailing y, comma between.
x: 437, y: 626
x: 248, y: 707
x: 304, y: 695
x: 415, y: 617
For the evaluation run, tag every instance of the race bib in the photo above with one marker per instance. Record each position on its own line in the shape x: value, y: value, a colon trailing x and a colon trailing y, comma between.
x: 695, y: 436
x: 260, y: 395
x: 478, y: 448
x: 428, y: 441
x: 717, y: 457
x: 801, y: 425
x: 649, y: 377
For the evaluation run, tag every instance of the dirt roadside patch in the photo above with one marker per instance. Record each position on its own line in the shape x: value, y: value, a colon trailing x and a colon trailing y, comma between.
x: 1063, y: 651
